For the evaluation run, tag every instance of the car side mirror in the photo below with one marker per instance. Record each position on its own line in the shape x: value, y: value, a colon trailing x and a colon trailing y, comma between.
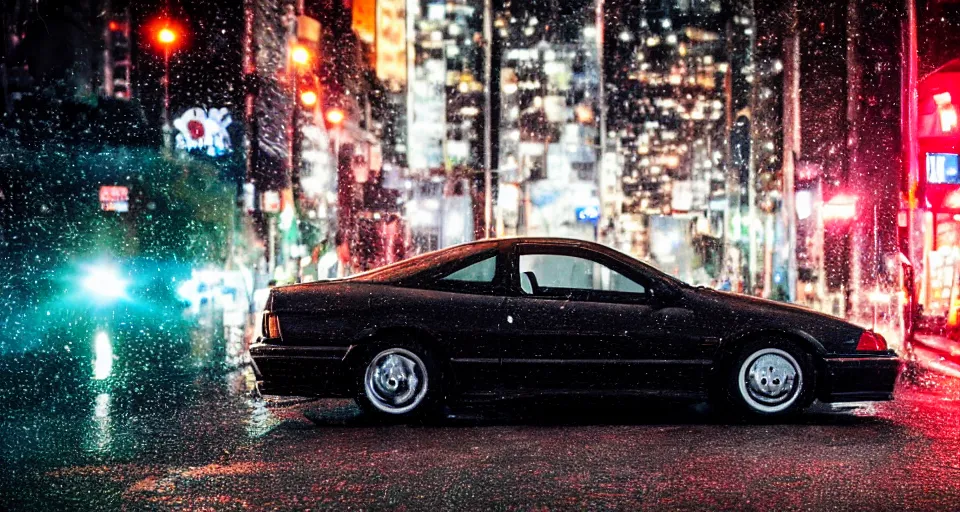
x: 664, y: 295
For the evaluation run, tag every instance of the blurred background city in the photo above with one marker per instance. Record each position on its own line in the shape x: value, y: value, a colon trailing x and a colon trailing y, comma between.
x: 167, y: 156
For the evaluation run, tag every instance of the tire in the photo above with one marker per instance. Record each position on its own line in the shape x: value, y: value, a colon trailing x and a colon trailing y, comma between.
x: 770, y: 378
x: 398, y: 380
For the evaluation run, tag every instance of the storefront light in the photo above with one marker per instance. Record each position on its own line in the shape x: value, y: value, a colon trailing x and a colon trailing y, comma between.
x: 948, y: 119
x: 840, y: 207
x: 952, y: 201
x: 946, y: 111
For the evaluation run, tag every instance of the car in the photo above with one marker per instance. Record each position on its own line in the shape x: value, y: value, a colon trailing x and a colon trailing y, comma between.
x: 542, y: 317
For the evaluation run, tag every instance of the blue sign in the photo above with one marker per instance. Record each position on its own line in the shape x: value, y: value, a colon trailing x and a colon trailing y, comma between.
x: 942, y: 169
x: 588, y: 214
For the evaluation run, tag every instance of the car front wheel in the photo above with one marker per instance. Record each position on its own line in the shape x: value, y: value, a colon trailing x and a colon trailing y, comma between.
x: 398, y: 382
x: 771, y: 379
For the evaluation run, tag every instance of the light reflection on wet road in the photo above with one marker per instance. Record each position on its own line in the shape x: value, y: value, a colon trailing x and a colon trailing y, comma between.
x: 190, y: 437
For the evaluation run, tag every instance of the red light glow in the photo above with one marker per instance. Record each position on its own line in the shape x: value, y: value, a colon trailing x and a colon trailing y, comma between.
x: 308, y: 98
x: 166, y: 36
x: 871, y: 342
x: 300, y: 55
x: 335, y: 116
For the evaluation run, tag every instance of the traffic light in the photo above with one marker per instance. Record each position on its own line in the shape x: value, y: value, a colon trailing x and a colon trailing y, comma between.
x: 300, y: 55
x: 116, y: 67
x: 166, y: 36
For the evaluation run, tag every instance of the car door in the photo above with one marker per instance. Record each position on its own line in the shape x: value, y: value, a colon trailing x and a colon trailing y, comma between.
x: 463, y: 304
x: 578, y: 323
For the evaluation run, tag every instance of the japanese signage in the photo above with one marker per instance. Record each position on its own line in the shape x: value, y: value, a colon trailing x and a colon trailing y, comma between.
x: 204, y: 130
x: 270, y: 202
x: 114, y: 198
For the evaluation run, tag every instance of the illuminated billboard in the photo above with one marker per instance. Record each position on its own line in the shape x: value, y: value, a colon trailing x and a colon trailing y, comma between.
x: 365, y: 20
x: 392, y: 43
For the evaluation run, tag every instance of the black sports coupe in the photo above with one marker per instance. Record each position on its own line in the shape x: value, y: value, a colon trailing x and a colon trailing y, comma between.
x: 547, y: 316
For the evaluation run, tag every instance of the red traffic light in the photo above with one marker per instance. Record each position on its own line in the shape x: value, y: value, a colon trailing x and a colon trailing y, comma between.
x: 166, y: 36
x: 113, y: 26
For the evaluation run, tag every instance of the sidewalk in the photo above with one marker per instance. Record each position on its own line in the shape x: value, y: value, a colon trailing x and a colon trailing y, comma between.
x: 936, y: 352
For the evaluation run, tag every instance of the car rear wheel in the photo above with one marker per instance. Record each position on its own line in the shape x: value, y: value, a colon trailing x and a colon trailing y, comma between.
x: 398, y: 381
x: 773, y: 378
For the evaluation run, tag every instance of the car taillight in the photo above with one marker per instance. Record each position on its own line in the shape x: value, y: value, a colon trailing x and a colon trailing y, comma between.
x: 271, y: 325
x: 871, y: 342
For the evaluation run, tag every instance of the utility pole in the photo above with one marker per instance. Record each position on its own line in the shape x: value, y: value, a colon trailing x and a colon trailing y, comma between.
x: 791, y: 143
x: 602, y: 99
x: 913, y: 245
x: 851, y: 167
x: 487, y: 116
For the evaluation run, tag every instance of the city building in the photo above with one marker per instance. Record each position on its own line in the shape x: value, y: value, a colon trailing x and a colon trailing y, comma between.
x: 444, y: 147
x: 548, y: 126
x: 667, y: 101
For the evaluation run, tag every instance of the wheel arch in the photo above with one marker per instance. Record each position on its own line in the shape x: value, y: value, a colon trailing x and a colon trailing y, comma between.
x: 729, y: 350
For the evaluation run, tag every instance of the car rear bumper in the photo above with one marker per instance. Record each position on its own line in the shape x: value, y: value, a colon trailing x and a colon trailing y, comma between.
x: 860, y: 377
x: 300, y: 370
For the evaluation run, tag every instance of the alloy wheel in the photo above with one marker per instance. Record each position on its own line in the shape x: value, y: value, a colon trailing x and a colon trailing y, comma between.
x: 396, y: 381
x: 770, y: 380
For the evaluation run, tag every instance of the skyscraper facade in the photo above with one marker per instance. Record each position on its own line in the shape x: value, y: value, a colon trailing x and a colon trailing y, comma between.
x: 668, y: 98
x: 549, y: 104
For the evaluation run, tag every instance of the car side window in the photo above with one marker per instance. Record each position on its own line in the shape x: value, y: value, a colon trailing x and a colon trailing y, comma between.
x: 552, y: 274
x: 482, y: 271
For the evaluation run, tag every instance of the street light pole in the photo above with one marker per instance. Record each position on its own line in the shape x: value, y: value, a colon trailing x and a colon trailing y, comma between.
x: 300, y: 57
x: 166, y: 37
x: 295, y: 140
x: 167, y: 130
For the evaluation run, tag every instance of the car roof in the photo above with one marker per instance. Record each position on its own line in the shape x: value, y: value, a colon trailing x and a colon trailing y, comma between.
x: 415, y: 266
x: 513, y: 240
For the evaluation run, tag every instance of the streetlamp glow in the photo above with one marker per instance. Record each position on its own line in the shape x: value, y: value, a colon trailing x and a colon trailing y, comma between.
x: 335, y: 116
x: 166, y: 36
x: 300, y: 55
x: 308, y: 98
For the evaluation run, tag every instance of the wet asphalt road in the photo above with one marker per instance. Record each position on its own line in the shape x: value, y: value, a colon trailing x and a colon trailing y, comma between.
x: 197, y: 439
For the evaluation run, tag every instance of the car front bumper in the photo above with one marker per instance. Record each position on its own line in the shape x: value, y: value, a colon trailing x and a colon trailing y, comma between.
x: 300, y: 370
x: 860, y: 377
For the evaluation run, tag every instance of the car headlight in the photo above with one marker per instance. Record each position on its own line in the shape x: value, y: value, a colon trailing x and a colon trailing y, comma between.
x: 105, y: 283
